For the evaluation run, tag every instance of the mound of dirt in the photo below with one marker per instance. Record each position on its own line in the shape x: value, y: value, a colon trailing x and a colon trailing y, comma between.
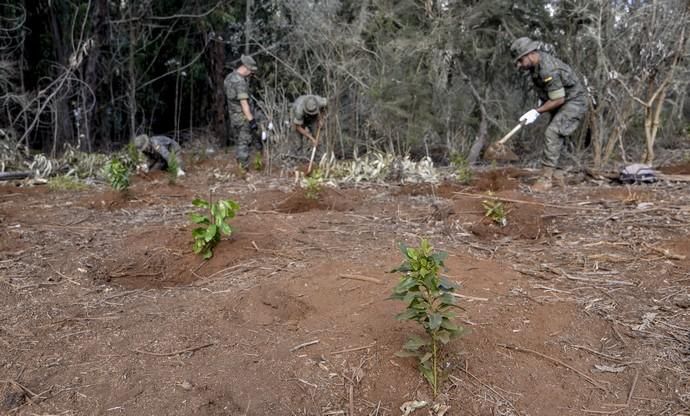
x: 269, y: 305
x: 160, y: 256
x: 680, y: 169
x: 524, y: 221
x: 445, y: 189
x: 108, y: 200
x: 327, y: 200
x: 498, y: 180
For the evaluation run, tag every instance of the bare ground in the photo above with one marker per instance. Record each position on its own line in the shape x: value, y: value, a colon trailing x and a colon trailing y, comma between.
x: 579, y: 306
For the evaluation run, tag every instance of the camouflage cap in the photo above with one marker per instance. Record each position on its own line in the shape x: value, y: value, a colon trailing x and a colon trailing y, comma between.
x: 249, y: 62
x: 313, y: 103
x: 141, y: 141
x: 523, y: 46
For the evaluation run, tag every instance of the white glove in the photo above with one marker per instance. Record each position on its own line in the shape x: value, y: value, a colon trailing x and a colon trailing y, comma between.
x: 270, y: 125
x: 264, y: 136
x: 180, y: 172
x: 529, y: 117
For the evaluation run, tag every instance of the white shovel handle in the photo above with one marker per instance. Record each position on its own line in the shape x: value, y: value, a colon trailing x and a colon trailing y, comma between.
x: 511, y: 133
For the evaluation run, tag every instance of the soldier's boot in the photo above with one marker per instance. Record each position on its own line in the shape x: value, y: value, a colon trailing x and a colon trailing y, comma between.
x: 559, y: 179
x: 544, y: 183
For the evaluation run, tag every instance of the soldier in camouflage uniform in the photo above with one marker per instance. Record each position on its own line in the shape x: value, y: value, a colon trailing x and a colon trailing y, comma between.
x: 242, y: 121
x: 159, y: 151
x: 307, y: 115
x: 561, y: 94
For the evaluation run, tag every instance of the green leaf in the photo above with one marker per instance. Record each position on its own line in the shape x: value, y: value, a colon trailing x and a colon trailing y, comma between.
x: 225, y: 228
x: 415, y: 343
x: 198, y: 233
x: 447, y: 284
x: 405, y: 284
x: 435, y: 321
x: 403, y: 249
x: 447, y: 299
x: 403, y: 268
x: 211, y: 232
x: 440, y: 257
x: 426, y: 357
x: 450, y: 326
x: 407, y: 315
x: 198, y: 202
x: 199, y: 219
x: 428, y: 374
x: 208, y: 254
x: 443, y: 336
x: 233, y: 208
x: 410, y: 297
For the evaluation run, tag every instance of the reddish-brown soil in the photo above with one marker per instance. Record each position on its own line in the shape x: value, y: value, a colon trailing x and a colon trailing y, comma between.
x: 578, y: 306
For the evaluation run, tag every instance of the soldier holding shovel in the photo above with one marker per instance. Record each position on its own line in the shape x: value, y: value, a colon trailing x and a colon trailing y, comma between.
x: 561, y: 94
x: 308, y: 114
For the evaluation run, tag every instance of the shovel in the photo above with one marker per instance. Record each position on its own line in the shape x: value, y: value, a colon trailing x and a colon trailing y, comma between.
x: 313, y: 151
x: 499, y: 151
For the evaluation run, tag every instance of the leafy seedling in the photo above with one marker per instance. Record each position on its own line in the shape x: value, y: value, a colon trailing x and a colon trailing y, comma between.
x: 462, y: 168
x: 133, y: 156
x: 429, y: 300
x: 117, y: 174
x: 211, y: 227
x: 258, y: 162
x: 173, y: 167
x: 312, y: 186
x: 496, y: 211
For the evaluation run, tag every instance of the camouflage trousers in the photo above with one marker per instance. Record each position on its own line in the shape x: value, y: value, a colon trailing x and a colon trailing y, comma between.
x: 563, y: 123
x: 245, y: 140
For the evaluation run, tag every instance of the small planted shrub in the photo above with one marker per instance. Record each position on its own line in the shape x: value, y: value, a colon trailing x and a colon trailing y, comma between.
x: 496, y: 212
x: 463, y: 172
x: 173, y: 167
x: 429, y: 302
x: 258, y: 162
x: 117, y: 174
x: 212, y: 226
x: 133, y: 156
x: 312, y: 185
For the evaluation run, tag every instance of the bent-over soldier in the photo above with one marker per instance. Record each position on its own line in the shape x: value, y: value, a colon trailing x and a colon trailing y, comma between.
x: 561, y: 94
x: 159, y: 151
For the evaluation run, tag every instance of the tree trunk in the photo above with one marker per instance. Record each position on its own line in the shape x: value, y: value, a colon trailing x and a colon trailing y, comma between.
x: 132, y: 99
x: 216, y: 64
x: 95, y: 127
x: 62, y: 129
x: 480, y: 140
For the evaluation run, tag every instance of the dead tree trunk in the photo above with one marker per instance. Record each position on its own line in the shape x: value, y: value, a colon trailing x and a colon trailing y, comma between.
x: 216, y: 64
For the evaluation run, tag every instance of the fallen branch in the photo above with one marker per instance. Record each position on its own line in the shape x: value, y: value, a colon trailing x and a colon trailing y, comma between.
x: 469, y: 298
x: 362, y: 278
x: 665, y: 252
x: 354, y: 349
x: 522, y: 201
x: 306, y: 344
x: 169, y: 354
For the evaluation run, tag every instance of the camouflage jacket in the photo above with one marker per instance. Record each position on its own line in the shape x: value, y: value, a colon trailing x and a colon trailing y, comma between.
x: 236, y: 88
x: 554, y: 79
x: 161, y: 148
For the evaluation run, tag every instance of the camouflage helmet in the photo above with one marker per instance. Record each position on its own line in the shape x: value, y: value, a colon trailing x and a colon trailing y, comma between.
x: 141, y: 141
x: 249, y: 62
x: 523, y: 46
x: 313, y: 103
